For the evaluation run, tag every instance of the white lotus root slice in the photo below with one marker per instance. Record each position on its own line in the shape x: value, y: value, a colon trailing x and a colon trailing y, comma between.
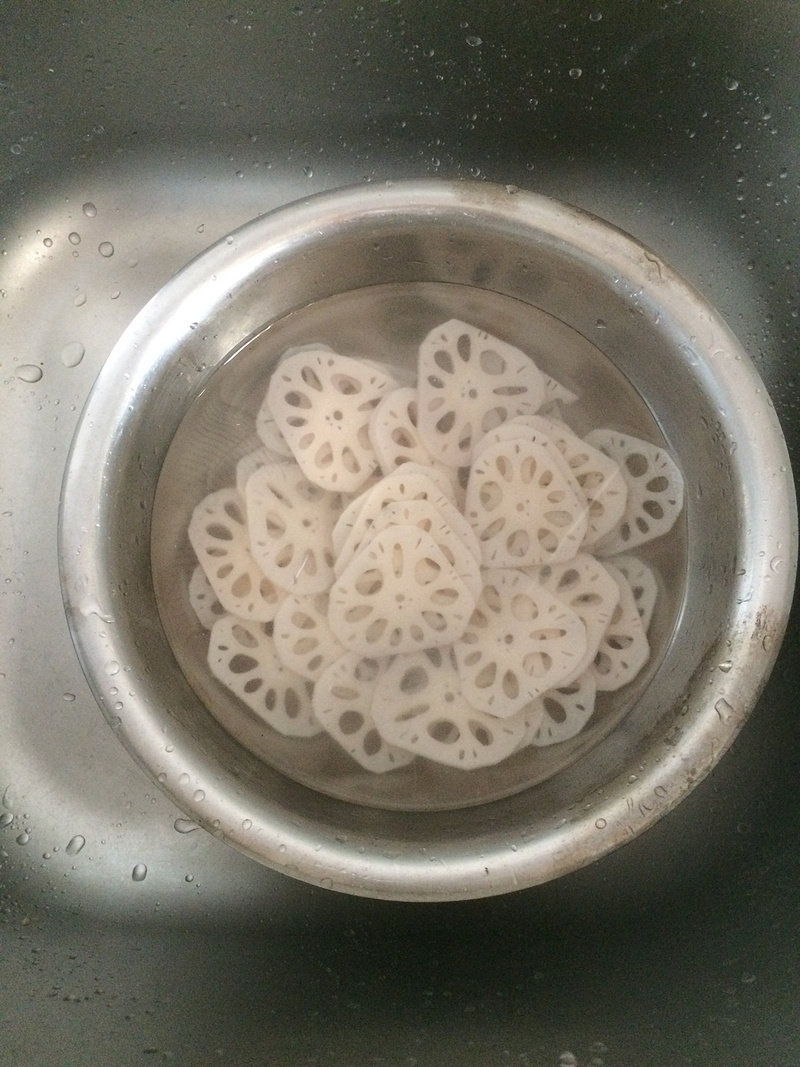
x: 322, y: 403
x: 468, y: 383
x: 204, y: 601
x: 599, y: 477
x: 411, y: 482
x: 448, y: 528
x: 303, y: 637
x: 269, y: 432
x: 584, y: 585
x: 643, y: 582
x: 394, y: 433
x: 564, y: 711
x: 556, y: 393
x: 343, y: 698
x: 243, y: 657
x: 253, y: 461
x: 290, y: 521
x: 419, y: 705
x: 524, y: 505
x: 655, y: 490
x: 624, y: 648
x: 218, y: 535
x: 399, y: 594
x: 520, y: 641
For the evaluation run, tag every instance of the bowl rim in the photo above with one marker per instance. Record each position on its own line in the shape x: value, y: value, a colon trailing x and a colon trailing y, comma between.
x: 276, y: 829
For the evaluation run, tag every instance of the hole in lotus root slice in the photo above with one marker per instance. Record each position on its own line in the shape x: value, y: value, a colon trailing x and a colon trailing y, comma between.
x: 447, y: 526
x: 624, y: 648
x: 243, y: 657
x: 399, y: 593
x: 218, y: 535
x: 520, y: 641
x: 303, y: 637
x: 600, y: 479
x: 564, y: 711
x: 418, y: 705
x: 290, y: 522
x: 322, y: 403
x: 468, y: 382
x: 584, y: 585
x: 343, y: 698
x: 655, y: 490
x: 410, y: 482
x: 524, y: 505
x: 204, y: 601
x: 643, y: 583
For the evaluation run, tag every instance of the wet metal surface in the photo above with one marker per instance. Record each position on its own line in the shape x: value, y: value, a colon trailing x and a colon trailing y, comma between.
x: 134, y: 138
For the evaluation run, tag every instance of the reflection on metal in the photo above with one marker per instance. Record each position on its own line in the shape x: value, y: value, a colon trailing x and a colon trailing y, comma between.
x: 580, y: 269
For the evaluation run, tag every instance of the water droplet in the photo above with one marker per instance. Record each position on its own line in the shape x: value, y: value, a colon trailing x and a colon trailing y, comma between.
x: 16, y: 150
x: 80, y: 300
x: 474, y: 41
x: 725, y: 666
x: 106, y: 249
x: 575, y: 72
x: 29, y: 372
x: 723, y: 708
x: 247, y: 824
x: 600, y: 324
x: 188, y: 878
x: 201, y: 228
x: 112, y: 668
x: 74, y: 238
x: 23, y: 838
x: 198, y: 796
x: 595, y: 16
x: 6, y: 819
x: 600, y: 824
x: 69, y: 697
x: 89, y: 210
x: 281, y: 848
x: 731, y: 84
x: 47, y: 855
x: 185, y: 826
x: 776, y: 563
x: 91, y: 607
x: 72, y: 354
x: 48, y: 242
x: 139, y: 872
x: 308, y: 171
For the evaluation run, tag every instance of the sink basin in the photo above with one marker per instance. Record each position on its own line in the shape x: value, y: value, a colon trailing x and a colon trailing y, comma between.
x: 134, y: 139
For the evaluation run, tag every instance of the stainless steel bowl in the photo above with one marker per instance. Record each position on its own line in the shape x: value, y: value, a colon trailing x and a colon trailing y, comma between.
x: 703, y: 392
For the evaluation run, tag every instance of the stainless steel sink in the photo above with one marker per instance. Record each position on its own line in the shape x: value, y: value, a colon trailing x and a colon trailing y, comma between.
x: 132, y: 138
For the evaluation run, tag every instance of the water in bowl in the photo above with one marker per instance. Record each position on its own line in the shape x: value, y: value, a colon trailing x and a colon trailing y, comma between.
x: 386, y: 323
